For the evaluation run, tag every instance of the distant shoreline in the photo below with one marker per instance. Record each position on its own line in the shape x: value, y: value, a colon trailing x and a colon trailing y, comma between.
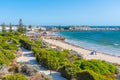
x: 85, y: 28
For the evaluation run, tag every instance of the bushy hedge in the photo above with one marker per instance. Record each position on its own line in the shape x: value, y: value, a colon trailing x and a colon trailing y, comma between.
x: 9, y: 54
x: 97, y: 66
x: 8, y: 46
x: 15, y: 77
x: 51, y: 59
x: 3, y: 59
x: 69, y: 71
x: 26, y: 43
x: 89, y: 75
x: 73, y: 71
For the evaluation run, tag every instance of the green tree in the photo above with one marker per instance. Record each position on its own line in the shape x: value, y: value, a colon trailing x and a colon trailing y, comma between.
x: 20, y: 27
x: 40, y: 30
x: 3, y: 27
x: 10, y: 29
x: 30, y: 26
x: 20, y: 23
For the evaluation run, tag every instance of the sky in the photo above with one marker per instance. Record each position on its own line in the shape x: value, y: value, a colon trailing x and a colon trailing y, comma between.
x: 61, y: 12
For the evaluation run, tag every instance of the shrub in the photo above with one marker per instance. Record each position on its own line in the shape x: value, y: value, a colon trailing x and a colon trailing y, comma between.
x: 89, y: 75
x: 97, y: 66
x: 9, y: 54
x: 69, y: 71
x: 3, y: 59
x: 15, y: 77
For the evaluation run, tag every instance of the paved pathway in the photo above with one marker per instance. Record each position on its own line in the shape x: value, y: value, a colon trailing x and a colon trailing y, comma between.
x: 29, y: 57
x: 118, y: 77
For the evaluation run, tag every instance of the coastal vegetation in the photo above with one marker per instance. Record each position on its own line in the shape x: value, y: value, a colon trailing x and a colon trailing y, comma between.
x: 15, y: 77
x: 21, y: 29
x: 8, y: 49
x: 8, y: 43
x: 70, y: 66
x: 8, y: 46
x: 3, y: 27
x: 9, y: 68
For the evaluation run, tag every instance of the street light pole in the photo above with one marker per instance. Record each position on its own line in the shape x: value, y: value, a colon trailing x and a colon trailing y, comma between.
x: 50, y: 64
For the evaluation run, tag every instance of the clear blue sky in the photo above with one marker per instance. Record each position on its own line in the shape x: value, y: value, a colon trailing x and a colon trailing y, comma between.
x: 61, y: 12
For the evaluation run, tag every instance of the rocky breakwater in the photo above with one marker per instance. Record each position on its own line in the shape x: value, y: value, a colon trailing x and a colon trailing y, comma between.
x: 56, y: 38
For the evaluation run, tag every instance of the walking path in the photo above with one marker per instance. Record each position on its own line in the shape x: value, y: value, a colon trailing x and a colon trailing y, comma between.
x: 118, y: 77
x: 29, y: 57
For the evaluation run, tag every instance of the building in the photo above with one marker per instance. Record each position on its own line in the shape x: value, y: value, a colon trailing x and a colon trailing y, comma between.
x: 38, y: 29
x: 14, y: 28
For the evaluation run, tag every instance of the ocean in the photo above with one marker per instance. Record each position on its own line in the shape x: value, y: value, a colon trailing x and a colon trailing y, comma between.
x: 101, y: 41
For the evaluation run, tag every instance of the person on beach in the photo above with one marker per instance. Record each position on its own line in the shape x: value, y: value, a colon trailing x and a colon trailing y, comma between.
x: 93, y: 53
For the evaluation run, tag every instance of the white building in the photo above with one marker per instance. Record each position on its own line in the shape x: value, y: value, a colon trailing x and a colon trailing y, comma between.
x: 14, y: 28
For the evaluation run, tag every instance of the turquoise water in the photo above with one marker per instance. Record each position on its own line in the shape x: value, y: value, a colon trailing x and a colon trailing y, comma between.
x: 102, y: 41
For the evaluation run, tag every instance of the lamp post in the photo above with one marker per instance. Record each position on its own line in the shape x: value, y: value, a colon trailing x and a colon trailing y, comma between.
x: 50, y: 64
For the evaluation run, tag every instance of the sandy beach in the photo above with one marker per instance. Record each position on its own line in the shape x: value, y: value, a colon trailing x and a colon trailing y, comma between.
x: 85, y: 52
